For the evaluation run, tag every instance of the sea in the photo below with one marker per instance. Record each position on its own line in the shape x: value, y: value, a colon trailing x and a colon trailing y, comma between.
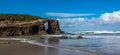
x: 96, y: 42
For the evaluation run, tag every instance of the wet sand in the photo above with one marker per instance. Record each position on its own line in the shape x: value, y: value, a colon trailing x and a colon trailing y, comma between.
x: 18, y: 48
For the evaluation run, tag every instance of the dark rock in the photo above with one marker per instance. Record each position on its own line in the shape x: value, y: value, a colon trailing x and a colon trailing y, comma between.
x: 53, y: 27
x: 79, y: 37
x: 63, y: 37
x: 53, y: 39
x: 16, y: 25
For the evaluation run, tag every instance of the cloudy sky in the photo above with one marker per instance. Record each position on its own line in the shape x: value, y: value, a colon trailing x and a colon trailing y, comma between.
x: 74, y: 15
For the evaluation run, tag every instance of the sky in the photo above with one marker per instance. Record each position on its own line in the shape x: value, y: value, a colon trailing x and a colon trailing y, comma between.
x: 73, y: 15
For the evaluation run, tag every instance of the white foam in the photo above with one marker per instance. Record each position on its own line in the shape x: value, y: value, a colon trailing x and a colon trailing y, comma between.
x: 105, y: 31
x: 53, y: 35
x: 101, y: 36
x: 95, y: 32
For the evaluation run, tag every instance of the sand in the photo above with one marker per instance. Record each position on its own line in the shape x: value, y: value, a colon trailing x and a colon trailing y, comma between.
x: 15, y: 47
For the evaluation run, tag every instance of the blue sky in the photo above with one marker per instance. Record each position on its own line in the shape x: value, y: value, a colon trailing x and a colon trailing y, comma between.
x: 77, y: 14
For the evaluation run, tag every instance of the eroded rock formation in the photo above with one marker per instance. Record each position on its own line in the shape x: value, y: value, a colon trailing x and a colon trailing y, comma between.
x: 53, y: 27
x: 15, y: 25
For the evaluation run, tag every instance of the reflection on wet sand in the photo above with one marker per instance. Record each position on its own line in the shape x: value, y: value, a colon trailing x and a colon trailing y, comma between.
x: 19, y: 48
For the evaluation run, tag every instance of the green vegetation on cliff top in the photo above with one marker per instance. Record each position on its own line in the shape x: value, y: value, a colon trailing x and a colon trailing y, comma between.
x: 19, y: 17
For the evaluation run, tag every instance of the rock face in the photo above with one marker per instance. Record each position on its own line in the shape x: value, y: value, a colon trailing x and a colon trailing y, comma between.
x: 53, y: 27
x: 16, y: 25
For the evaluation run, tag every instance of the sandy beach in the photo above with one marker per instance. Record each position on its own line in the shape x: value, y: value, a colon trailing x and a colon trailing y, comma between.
x: 15, y: 47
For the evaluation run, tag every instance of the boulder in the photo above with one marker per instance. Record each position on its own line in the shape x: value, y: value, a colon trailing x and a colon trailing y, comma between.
x: 53, y: 40
x: 79, y: 37
x: 63, y: 37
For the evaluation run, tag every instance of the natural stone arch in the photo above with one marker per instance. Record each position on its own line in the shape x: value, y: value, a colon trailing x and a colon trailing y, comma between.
x: 46, y: 25
x: 19, y: 27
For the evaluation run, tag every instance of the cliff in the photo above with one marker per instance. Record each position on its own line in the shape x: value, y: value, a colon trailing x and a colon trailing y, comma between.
x: 22, y: 24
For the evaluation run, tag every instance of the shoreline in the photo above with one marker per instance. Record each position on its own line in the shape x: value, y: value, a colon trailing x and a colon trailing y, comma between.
x: 26, y: 41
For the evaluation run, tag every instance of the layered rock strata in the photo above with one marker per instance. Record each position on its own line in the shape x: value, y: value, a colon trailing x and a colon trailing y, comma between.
x: 16, y: 25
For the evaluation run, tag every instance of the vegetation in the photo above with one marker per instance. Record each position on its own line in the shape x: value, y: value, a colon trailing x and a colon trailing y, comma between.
x: 19, y: 17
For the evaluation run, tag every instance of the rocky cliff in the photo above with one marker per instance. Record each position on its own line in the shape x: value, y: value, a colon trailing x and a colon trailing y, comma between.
x: 16, y: 24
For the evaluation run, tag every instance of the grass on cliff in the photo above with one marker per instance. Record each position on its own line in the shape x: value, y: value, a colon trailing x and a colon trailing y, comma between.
x: 30, y: 17
x: 19, y: 17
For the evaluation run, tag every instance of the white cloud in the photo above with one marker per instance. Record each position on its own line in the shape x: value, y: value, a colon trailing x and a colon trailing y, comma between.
x: 110, y: 17
x: 74, y: 22
x: 105, y: 21
x: 66, y: 14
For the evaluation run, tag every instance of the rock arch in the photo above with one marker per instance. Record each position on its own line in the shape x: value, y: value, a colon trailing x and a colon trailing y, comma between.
x: 35, y: 27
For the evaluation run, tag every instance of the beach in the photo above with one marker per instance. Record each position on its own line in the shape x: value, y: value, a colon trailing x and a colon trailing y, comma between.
x: 15, y: 47
x: 89, y: 45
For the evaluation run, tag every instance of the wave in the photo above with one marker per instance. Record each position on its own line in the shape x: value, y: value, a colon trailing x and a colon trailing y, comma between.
x: 101, y: 37
x: 89, y: 34
x: 95, y: 32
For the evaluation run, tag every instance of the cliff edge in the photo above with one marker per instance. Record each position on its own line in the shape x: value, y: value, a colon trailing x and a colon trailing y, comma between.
x: 22, y: 24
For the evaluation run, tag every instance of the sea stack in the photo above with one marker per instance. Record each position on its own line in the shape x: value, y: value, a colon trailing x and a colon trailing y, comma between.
x: 22, y: 24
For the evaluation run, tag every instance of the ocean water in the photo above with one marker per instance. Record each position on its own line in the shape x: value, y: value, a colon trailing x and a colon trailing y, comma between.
x: 104, y: 46
x: 96, y: 43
